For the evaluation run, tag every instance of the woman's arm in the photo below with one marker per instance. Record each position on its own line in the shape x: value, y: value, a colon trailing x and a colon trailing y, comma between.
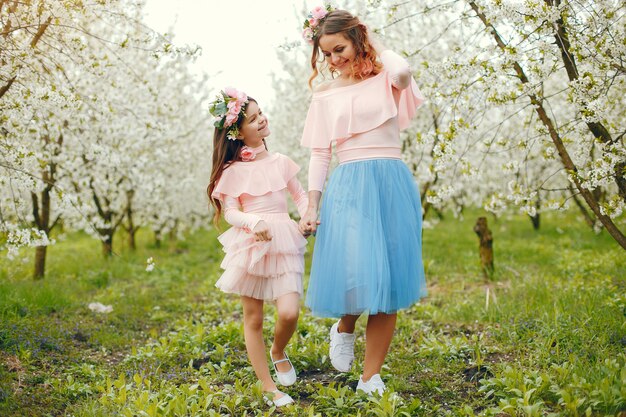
x: 318, y: 169
x: 397, y: 66
x: 309, y: 222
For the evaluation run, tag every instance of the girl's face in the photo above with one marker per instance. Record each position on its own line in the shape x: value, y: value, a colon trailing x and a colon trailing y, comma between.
x: 338, y: 51
x: 255, y: 127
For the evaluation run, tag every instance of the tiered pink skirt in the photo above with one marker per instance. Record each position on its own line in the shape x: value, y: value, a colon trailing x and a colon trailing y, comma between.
x: 263, y: 270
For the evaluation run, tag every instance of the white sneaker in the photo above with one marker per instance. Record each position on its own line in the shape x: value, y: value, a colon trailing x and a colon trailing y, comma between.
x: 341, y: 350
x: 374, y: 385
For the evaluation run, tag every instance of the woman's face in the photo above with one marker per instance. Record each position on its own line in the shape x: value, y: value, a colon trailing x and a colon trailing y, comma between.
x: 255, y: 127
x: 338, y: 51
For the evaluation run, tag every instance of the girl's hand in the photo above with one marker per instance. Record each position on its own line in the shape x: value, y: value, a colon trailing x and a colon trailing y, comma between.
x: 262, y: 232
x: 303, y: 229
x: 309, y: 221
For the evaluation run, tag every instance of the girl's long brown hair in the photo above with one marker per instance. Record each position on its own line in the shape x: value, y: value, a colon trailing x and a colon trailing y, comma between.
x: 225, y: 152
x: 341, y: 21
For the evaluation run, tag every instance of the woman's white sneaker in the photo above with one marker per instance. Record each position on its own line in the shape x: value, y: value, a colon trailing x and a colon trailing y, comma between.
x: 341, y: 350
x: 374, y: 385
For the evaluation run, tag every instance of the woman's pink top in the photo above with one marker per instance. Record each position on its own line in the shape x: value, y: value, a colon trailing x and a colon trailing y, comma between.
x: 259, y: 186
x: 362, y: 119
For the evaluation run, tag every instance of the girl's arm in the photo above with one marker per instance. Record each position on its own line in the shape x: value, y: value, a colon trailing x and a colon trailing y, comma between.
x: 247, y: 221
x: 299, y: 195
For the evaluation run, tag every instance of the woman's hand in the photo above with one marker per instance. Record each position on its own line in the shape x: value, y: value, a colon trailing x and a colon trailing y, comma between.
x: 262, y: 232
x: 309, y: 222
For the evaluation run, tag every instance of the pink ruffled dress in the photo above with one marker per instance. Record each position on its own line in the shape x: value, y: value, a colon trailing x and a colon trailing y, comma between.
x: 250, y: 192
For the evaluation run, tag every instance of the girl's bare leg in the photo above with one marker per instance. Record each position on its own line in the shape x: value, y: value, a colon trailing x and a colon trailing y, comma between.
x: 288, y: 308
x: 255, y: 346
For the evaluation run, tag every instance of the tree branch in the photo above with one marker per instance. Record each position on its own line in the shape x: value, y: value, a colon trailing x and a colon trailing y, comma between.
x: 569, y: 165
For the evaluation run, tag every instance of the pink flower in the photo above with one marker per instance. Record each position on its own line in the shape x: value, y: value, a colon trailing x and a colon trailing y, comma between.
x: 247, y: 154
x: 307, y: 34
x: 234, y: 106
x: 242, y: 97
x: 231, y: 92
x: 319, y: 12
x: 230, y: 119
x: 313, y: 22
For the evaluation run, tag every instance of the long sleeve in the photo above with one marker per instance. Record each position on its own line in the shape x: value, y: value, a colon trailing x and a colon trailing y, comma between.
x: 236, y: 217
x: 318, y: 168
x: 398, y: 69
x: 299, y: 195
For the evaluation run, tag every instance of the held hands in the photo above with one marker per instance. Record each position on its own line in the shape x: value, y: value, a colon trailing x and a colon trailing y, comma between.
x: 309, y: 222
x: 262, y: 232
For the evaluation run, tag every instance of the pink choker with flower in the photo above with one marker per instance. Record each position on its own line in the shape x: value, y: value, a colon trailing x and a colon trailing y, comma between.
x: 249, y: 154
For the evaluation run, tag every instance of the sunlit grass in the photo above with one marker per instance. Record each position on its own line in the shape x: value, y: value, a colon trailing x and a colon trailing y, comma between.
x: 546, y: 334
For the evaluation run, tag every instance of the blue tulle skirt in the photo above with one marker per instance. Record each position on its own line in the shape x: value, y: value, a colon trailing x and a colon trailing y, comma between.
x: 368, y: 249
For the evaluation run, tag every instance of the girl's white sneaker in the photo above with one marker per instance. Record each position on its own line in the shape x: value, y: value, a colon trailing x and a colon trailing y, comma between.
x: 284, y: 378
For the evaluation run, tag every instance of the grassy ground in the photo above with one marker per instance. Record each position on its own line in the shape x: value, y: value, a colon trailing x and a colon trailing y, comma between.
x: 546, y: 336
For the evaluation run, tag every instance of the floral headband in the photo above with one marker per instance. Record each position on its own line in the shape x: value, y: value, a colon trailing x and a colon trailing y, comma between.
x: 311, y: 24
x: 228, y: 107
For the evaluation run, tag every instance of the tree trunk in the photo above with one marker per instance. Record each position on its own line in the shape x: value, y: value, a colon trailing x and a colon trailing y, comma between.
x: 130, y: 228
x: 40, y: 262
x: 131, y: 239
x: 42, y: 213
x: 485, y: 247
x: 536, y: 218
x: 107, y: 242
x: 157, y: 238
x: 536, y: 221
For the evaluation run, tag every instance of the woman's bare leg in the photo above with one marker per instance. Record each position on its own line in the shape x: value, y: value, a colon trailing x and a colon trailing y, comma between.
x: 378, y: 335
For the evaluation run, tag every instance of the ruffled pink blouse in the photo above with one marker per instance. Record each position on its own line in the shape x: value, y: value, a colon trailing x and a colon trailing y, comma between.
x: 362, y: 119
x: 259, y: 186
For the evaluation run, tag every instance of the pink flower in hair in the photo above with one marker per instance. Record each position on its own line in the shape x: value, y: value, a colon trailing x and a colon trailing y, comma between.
x: 231, y: 92
x: 227, y: 108
x: 234, y: 106
x: 307, y: 34
x: 230, y: 119
x: 319, y: 12
x: 313, y: 22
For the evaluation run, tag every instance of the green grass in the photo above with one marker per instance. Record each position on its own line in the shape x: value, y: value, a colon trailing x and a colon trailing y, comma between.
x: 545, y: 336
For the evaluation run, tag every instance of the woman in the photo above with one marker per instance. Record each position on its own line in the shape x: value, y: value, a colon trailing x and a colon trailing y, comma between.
x: 367, y: 255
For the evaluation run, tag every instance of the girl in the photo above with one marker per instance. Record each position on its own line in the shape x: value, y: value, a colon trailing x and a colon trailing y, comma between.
x: 368, y: 251
x: 264, y: 258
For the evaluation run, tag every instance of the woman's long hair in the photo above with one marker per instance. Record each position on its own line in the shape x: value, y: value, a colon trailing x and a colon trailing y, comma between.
x: 225, y: 152
x: 341, y: 21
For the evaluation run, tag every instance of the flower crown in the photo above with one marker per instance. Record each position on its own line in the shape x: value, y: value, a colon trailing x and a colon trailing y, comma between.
x: 311, y: 24
x: 228, y: 107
